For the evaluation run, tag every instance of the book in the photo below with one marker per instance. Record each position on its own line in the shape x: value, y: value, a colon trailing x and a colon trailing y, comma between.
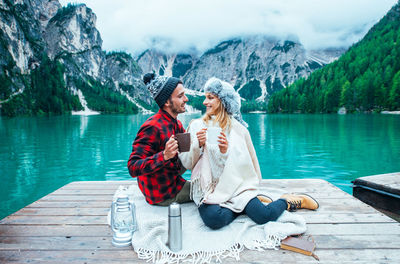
x: 299, y: 244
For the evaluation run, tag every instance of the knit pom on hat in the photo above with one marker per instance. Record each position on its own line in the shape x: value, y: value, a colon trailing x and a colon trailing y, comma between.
x: 148, y: 77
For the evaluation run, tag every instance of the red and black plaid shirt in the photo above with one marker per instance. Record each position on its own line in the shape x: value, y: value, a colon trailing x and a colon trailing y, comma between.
x: 158, y: 179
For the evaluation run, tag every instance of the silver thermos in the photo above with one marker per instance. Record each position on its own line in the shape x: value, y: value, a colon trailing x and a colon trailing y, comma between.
x: 174, y: 227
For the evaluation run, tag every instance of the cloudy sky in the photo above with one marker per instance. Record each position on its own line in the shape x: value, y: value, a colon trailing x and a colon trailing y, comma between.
x: 180, y: 25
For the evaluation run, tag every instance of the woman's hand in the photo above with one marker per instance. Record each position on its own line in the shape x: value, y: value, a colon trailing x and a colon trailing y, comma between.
x: 223, y: 143
x: 201, y: 136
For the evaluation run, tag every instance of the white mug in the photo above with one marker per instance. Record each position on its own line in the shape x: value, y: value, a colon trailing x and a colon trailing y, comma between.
x: 212, y: 135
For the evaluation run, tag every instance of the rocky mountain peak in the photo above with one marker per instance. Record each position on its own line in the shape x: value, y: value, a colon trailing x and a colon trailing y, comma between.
x: 285, y: 47
x: 256, y: 65
x: 41, y: 33
x: 72, y: 36
x: 72, y: 30
x: 44, y: 11
x: 176, y: 64
x: 125, y: 74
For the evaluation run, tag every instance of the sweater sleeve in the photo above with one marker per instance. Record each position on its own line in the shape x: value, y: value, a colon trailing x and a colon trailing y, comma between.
x: 145, y: 158
x: 189, y: 159
x: 253, y: 154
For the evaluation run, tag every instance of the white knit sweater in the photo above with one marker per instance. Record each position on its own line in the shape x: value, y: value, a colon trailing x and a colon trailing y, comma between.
x: 230, y: 181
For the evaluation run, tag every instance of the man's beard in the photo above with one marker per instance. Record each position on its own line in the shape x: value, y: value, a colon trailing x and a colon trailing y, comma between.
x: 177, y: 110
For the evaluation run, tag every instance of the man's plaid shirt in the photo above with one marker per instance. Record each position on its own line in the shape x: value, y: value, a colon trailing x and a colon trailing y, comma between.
x: 158, y: 179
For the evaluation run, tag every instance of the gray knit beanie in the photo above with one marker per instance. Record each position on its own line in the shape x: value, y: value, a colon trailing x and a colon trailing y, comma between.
x: 229, y: 97
x: 160, y: 87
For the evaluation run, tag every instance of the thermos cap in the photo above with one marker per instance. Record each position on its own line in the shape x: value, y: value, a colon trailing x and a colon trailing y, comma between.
x: 174, y: 209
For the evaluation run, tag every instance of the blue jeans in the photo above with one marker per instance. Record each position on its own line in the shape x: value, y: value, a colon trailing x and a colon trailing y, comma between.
x: 215, y: 216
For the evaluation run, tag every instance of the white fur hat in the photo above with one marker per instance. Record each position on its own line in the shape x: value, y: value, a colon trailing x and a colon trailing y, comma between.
x: 229, y: 97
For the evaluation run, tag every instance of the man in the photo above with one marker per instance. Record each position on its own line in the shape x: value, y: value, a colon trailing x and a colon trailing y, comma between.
x: 154, y: 160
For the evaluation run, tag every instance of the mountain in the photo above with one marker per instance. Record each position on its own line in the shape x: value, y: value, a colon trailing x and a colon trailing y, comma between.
x: 52, y: 62
x: 366, y: 78
x: 256, y: 66
x: 49, y: 54
x: 176, y: 65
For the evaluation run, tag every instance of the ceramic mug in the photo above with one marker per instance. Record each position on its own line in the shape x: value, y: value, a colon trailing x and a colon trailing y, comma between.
x: 183, y: 141
x: 212, y: 135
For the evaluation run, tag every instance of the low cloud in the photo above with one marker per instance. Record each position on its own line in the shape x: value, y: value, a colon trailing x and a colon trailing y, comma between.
x: 181, y: 25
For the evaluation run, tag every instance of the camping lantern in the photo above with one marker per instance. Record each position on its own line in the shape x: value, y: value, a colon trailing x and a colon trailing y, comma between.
x: 123, y: 221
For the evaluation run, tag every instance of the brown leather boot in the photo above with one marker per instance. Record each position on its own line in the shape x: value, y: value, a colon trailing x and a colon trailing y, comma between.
x: 300, y: 201
x: 264, y: 199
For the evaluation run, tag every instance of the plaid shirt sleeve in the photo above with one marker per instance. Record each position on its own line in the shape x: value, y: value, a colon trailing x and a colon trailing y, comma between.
x: 144, y: 159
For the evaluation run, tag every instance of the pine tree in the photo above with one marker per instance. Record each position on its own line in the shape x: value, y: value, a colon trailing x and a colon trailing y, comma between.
x: 395, y: 92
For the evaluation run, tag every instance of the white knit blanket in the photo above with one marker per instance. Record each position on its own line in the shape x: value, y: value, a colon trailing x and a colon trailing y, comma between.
x: 200, y: 243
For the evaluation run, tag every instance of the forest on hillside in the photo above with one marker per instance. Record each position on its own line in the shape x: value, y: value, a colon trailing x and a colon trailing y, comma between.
x: 364, y: 79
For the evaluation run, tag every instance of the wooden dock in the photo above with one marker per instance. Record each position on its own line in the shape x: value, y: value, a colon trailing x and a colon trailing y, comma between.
x: 69, y: 226
x: 381, y: 192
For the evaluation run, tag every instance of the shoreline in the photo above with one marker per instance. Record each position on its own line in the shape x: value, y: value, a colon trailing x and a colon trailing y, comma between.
x: 85, y: 113
x: 390, y: 112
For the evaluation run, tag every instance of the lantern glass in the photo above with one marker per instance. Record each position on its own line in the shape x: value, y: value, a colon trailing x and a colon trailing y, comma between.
x: 123, y: 221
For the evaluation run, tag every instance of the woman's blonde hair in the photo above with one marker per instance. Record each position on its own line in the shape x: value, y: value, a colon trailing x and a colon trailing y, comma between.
x: 221, y: 116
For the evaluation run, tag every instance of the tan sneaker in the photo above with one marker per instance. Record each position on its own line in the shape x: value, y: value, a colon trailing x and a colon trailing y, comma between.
x: 300, y: 201
x: 264, y: 199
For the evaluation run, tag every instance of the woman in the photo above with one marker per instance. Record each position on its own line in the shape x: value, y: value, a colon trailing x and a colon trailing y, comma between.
x: 226, y: 176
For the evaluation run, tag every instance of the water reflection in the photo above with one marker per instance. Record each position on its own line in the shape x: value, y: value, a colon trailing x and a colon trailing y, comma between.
x: 39, y: 155
x: 332, y: 147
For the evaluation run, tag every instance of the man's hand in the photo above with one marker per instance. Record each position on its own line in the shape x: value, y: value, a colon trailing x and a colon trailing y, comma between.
x: 201, y: 136
x: 223, y: 143
x: 171, y: 148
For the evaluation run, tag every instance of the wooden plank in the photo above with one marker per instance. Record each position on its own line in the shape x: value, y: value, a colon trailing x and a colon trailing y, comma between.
x: 312, y: 186
x: 97, y: 184
x: 104, y: 242
x: 104, y: 230
x: 390, y: 180
x: 325, y: 206
x: 70, y: 204
x: 65, y: 211
x: 77, y: 198
x: 55, y: 230
x: 270, y: 256
x: 331, y: 218
x: 71, y: 208
x: 354, y: 229
x: 326, y: 256
x: 330, y: 194
x: 111, y: 191
x: 380, y: 191
x: 53, y: 220
x: 108, y: 197
x: 65, y: 256
x: 334, y: 218
x: 357, y: 241
x: 56, y: 243
x: 84, y: 192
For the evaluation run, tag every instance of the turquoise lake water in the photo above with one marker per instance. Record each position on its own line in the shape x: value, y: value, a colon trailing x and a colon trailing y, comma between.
x: 40, y: 154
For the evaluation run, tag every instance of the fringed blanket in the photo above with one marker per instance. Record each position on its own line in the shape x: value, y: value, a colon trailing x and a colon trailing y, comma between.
x: 200, y: 243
